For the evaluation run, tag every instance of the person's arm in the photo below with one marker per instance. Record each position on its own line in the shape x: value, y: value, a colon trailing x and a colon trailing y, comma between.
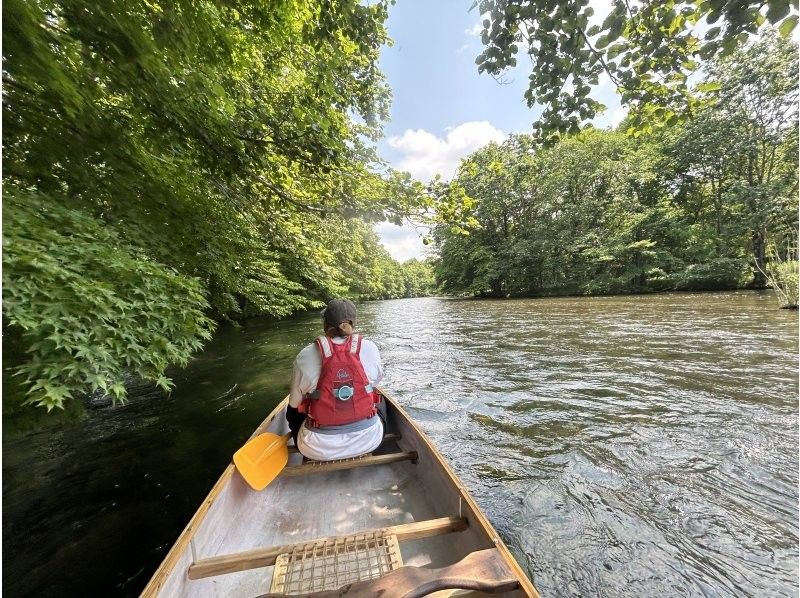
x: 307, y: 366
x: 371, y: 359
x: 298, y: 388
x: 296, y: 392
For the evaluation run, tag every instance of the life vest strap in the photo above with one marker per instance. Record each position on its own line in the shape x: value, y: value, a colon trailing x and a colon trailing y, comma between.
x: 324, y: 346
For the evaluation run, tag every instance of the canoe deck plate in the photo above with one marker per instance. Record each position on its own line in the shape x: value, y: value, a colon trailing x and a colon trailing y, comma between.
x: 329, y: 564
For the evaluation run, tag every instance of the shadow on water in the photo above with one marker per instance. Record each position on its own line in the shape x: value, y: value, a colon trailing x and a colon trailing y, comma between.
x: 622, y: 446
x: 91, y: 507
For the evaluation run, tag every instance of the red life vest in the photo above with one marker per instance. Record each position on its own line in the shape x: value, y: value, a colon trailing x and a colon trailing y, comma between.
x: 344, y: 394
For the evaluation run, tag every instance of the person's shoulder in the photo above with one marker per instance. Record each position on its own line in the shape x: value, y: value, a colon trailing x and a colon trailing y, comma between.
x: 309, y: 350
x: 368, y: 344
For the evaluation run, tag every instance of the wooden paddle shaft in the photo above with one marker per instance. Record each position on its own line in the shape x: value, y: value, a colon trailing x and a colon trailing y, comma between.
x: 482, y: 570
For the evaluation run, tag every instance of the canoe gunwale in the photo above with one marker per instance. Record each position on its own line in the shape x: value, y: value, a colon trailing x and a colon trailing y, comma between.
x: 480, y: 518
x: 184, y: 539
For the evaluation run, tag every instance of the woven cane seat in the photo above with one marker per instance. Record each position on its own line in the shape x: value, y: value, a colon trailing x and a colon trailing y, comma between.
x: 329, y: 564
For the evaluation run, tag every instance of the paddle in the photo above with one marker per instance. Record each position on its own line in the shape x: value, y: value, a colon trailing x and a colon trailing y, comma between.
x: 262, y: 459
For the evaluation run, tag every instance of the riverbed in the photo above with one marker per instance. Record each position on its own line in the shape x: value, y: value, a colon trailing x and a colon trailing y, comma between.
x: 622, y: 446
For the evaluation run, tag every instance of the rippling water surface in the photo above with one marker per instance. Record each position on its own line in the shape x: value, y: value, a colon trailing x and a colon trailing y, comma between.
x: 622, y: 446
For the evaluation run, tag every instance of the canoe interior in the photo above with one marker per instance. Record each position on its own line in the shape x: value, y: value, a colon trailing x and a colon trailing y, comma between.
x: 308, y: 507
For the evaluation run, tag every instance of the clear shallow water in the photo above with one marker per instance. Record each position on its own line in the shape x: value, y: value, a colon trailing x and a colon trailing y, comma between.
x: 622, y: 446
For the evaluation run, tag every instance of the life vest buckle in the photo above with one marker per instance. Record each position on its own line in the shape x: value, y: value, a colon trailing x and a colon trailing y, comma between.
x: 344, y: 392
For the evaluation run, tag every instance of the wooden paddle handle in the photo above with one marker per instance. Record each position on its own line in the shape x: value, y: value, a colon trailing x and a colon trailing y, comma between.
x: 482, y: 570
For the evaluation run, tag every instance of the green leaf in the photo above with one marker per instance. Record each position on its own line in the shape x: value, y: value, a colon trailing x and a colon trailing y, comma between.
x: 777, y: 10
x: 164, y: 383
x: 787, y: 26
x: 614, y: 51
x: 709, y: 87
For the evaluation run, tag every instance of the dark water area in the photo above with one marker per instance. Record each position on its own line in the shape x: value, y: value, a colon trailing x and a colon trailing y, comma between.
x: 622, y: 446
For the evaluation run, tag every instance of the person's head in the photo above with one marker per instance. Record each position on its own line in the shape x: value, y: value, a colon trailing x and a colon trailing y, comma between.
x: 339, y: 318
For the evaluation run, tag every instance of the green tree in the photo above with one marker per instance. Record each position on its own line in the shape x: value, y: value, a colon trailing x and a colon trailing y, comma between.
x: 418, y: 278
x: 88, y: 308
x: 738, y: 157
x: 479, y: 259
x: 759, y: 90
x: 647, y: 49
x: 691, y: 206
x: 195, y: 152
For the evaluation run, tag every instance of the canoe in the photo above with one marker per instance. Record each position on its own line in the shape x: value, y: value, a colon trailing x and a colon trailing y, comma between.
x: 397, y: 522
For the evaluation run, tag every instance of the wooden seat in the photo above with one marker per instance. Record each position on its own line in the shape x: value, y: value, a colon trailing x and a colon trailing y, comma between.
x: 265, y: 557
x: 307, y: 460
x: 363, y: 461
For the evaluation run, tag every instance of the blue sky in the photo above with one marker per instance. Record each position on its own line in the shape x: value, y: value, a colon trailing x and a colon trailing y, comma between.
x: 443, y: 110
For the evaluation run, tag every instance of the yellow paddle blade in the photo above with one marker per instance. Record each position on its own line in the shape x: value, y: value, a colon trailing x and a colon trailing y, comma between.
x: 262, y: 459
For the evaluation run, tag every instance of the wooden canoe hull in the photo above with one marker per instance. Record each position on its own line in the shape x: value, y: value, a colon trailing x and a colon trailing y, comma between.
x: 414, y: 490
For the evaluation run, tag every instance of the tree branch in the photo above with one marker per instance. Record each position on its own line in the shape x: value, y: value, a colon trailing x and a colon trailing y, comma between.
x: 287, y: 197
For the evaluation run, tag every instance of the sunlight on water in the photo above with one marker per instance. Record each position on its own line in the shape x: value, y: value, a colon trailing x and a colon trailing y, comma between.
x: 623, y: 446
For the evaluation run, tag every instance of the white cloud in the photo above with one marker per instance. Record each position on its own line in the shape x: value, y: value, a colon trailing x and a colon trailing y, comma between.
x: 425, y: 155
x: 462, y: 49
x: 606, y: 87
x: 602, y: 8
x: 402, y: 242
x: 618, y: 115
x: 475, y: 30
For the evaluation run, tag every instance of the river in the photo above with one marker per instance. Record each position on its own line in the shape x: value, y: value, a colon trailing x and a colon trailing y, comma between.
x: 622, y: 446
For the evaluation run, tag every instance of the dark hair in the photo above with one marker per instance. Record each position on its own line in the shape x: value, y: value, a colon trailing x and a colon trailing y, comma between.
x: 339, y: 318
x: 343, y: 329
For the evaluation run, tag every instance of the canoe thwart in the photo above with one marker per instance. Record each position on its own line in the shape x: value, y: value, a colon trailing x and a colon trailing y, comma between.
x: 266, y: 557
x: 330, y: 564
x: 364, y: 461
x: 482, y: 570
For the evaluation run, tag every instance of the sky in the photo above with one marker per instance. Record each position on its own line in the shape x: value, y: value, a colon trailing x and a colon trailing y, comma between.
x: 442, y: 109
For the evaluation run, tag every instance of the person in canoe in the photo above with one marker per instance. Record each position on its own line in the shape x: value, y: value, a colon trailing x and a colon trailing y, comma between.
x: 334, y: 412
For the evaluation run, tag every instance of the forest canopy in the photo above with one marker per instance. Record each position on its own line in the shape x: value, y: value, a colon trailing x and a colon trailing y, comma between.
x: 170, y: 164
x: 695, y: 206
x: 647, y: 49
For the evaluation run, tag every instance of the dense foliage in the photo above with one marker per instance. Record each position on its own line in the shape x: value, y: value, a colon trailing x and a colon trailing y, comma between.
x: 169, y: 161
x: 646, y: 48
x: 82, y: 298
x: 693, y: 207
x: 171, y: 164
x: 783, y: 274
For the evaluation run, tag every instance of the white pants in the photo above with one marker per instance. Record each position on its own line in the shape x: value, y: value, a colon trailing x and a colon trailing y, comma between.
x: 327, y: 447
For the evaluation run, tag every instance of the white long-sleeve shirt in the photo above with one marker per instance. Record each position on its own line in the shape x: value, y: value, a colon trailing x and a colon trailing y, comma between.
x: 326, y: 447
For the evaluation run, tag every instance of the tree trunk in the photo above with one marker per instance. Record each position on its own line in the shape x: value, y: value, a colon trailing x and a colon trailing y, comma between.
x: 759, y: 280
